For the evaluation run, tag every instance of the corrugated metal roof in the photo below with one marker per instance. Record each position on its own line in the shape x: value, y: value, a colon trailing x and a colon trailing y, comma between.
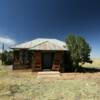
x: 43, y: 44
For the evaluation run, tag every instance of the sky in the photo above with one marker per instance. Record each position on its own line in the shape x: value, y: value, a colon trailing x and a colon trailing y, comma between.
x: 24, y: 20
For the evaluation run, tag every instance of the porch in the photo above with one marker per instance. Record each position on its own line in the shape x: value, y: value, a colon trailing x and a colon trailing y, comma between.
x: 38, y: 60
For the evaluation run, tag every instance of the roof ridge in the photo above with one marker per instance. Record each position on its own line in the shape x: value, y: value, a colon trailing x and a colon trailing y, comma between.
x: 53, y: 43
x: 46, y: 42
x: 39, y: 44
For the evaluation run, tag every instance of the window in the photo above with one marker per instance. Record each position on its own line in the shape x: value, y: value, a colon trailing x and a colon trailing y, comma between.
x: 22, y: 57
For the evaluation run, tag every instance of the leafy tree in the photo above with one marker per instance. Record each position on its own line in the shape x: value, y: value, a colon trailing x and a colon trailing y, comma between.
x: 7, y: 57
x: 79, y: 50
x: 84, y: 50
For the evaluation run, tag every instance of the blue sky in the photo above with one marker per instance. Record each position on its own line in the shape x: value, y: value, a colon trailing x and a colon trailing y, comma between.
x: 24, y: 20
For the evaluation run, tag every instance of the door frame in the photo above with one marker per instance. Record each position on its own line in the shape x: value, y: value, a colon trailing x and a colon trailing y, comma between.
x: 52, y: 57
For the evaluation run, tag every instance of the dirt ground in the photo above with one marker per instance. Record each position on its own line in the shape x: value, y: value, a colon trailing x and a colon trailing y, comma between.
x: 24, y: 85
x: 67, y: 75
x: 64, y: 76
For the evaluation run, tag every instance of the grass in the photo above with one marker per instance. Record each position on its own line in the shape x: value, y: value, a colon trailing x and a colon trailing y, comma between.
x: 13, y: 88
x: 95, y: 64
x: 23, y: 85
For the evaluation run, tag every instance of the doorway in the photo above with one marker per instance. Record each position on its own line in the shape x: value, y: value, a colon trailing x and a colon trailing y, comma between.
x: 47, y: 60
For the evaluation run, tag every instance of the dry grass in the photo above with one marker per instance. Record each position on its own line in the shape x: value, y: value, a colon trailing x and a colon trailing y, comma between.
x: 95, y: 64
x: 24, y: 85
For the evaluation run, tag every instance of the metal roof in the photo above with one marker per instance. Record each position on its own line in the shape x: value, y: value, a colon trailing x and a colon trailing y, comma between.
x: 42, y: 44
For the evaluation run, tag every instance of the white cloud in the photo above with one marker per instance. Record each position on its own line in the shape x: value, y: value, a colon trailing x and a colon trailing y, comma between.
x: 7, y: 41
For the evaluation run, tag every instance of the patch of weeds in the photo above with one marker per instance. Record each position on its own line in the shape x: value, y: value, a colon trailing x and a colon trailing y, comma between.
x: 77, y: 96
x: 2, y: 86
x: 3, y: 72
x: 14, y: 89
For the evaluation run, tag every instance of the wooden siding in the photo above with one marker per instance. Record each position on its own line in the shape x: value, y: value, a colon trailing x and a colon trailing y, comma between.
x: 37, y: 61
x: 18, y: 62
x: 57, y: 61
x: 20, y: 66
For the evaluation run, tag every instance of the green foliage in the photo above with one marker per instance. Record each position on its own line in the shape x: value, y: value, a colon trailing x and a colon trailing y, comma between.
x: 79, y: 49
x: 84, y: 50
x: 7, y: 58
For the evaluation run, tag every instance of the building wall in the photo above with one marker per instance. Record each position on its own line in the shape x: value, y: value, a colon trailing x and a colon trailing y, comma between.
x: 57, y: 61
x: 66, y: 64
x: 22, y: 59
x: 36, y: 63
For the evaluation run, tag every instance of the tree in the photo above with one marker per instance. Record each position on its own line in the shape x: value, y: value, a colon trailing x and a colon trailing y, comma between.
x: 79, y: 50
x: 7, y: 57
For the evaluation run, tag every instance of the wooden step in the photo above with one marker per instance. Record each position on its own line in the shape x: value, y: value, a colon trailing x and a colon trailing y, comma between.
x: 47, y: 74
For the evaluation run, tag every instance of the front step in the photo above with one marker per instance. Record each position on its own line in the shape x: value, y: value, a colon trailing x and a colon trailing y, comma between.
x: 47, y: 74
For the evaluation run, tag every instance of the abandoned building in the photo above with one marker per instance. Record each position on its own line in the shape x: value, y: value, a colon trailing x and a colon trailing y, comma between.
x: 41, y: 54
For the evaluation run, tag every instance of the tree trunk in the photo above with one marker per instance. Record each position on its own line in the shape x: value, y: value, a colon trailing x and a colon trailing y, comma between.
x: 76, y: 66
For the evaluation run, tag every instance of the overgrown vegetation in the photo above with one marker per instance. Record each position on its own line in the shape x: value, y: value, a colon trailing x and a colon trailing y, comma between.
x: 7, y: 57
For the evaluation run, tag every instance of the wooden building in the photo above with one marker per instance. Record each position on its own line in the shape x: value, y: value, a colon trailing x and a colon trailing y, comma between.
x: 41, y: 54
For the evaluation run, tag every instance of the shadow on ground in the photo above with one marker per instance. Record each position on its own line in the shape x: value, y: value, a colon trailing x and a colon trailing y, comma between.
x: 84, y: 70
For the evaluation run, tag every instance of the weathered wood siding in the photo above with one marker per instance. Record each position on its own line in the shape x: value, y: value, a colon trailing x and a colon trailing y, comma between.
x: 57, y: 61
x: 17, y: 62
x: 20, y: 66
x: 37, y: 64
x: 37, y: 61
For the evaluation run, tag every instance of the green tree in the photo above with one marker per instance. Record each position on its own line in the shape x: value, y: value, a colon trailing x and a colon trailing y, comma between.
x: 7, y: 57
x: 79, y: 50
